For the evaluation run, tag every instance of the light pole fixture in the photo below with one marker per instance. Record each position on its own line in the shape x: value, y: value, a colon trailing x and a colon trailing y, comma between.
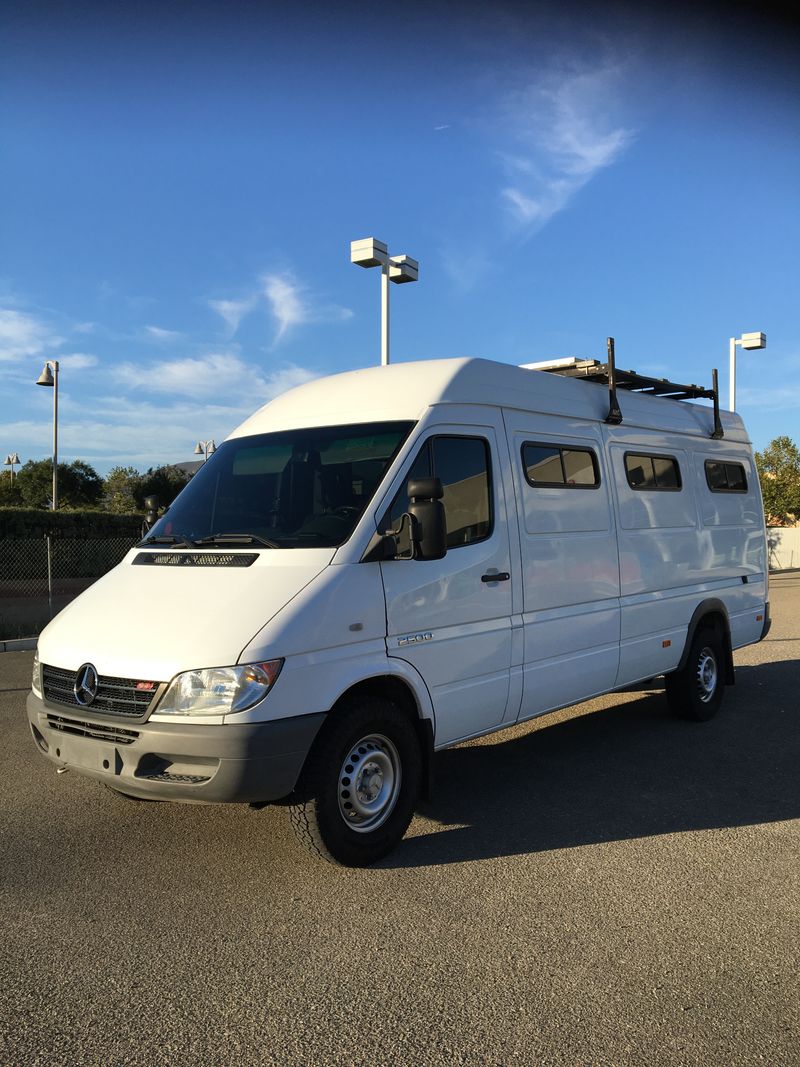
x: 747, y: 340
x: 9, y: 461
x: 204, y: 449
x: 372, y: 253
x: 49, y: 376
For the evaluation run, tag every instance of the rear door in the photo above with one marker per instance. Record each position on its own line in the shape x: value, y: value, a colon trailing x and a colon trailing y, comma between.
x: 451, y: 618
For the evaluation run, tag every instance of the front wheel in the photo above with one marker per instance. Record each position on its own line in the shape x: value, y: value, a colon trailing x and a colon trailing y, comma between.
x: 357, y: 793
x: 696, y: 691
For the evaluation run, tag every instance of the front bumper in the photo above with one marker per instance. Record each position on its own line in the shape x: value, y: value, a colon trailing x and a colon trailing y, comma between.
x: 248, y: 763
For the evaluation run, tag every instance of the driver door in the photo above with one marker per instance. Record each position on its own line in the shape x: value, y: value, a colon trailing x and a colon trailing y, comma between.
x: 451, y: 618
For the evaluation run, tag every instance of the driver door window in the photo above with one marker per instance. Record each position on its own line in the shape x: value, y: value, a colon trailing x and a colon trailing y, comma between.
x: 462, y: 466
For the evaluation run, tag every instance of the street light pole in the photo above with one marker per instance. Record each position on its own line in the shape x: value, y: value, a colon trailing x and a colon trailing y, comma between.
x: 49, y: 377
x: 9, y: 461
x: 373, y: 253
x: 385, y: 314
x: 748, y: 341
x: 205, y: 449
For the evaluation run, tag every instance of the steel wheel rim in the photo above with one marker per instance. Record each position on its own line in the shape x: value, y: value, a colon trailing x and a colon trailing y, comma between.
x: 706, y: 675
x: 369, y: 783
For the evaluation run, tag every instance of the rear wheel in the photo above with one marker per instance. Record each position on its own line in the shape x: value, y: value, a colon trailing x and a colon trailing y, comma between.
x: 358, y: 790
x: 696, y: 691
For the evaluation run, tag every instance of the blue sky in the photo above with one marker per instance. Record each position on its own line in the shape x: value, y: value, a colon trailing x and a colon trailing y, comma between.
x: 180, y: 184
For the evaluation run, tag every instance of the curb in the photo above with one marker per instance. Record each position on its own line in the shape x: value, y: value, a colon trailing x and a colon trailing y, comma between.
x: 23, y: 644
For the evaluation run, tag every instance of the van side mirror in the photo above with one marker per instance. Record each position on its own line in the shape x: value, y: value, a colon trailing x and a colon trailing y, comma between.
x: 428, y: 521
x: 422, y: 532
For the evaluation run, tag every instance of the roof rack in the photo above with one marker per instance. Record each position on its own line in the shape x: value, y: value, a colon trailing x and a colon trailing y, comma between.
x: 592, y: 370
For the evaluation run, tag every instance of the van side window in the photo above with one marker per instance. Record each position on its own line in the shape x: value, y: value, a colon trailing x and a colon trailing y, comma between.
x: 725, y: 477
x: 462, y: 466
x: 553, y: 467
x: 650, y: 473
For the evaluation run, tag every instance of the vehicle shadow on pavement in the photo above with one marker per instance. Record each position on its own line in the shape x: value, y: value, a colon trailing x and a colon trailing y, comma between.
x: 629, y: 771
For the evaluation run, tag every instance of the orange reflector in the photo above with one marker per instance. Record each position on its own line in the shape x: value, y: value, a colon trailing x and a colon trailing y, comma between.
x: 665, y: 644
x: 759, y: 618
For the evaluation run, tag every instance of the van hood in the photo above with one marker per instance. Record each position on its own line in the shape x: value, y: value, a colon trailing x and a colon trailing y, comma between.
x: 152, y: 621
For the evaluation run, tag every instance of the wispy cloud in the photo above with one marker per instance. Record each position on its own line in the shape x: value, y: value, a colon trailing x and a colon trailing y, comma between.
x: 291, y: 305
x: 285, y: 301
x: 77, y: 361
x: 233, y: 311
x: 464, y: 264
x: 22, y: 334
x: 161, y: 334
x: 565, y: 128
x: 787, y: 398
x: 218, y: 375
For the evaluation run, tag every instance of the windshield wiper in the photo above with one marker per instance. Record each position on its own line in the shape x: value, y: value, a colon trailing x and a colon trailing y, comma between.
x: 236, y: 539
x: 169, y: 539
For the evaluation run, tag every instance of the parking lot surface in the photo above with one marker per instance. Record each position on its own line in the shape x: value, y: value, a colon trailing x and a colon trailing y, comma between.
x: 607, y: 885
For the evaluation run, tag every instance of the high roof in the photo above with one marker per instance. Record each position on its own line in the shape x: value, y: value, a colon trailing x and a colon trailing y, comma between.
x: 406, y: 390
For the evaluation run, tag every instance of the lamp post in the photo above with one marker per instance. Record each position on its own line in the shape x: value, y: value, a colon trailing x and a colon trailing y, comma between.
x: 372, y: 253
x: 205, y: 449
x: 9, y: 461
x: 749, y: 341
x: 49, y: 376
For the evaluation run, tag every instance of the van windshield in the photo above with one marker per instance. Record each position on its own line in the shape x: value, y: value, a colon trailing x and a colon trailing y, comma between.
x: 303, y: 488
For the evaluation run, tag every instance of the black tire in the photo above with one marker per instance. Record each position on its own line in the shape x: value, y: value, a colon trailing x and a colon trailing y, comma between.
x: 371, y: 744
x: 696, y: 691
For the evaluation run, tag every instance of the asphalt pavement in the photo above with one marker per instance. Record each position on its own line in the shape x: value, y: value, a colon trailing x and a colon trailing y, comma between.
x: 605, y: 886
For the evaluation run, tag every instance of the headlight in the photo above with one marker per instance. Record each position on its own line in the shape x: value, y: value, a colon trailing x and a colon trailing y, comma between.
x: 36, y: 679
x: 219, y: 690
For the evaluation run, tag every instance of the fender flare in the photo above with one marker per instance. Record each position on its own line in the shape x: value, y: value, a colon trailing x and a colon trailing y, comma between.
x: 404, y: 672
x: 711, y: 606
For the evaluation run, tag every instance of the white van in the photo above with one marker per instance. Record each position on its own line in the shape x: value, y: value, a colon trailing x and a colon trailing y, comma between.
x: 383, y: 563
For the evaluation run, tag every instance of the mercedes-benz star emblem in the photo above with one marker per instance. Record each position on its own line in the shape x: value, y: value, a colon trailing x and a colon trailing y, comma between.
x: 85, y: 688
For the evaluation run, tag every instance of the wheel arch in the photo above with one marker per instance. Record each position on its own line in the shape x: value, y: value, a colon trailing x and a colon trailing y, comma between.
x: 714, y: 613
x: 401, y: 692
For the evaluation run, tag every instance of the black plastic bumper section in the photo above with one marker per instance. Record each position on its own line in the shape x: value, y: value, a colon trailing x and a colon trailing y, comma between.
x: 767, y: 622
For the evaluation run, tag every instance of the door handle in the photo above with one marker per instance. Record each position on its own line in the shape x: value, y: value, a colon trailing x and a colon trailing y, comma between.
x: 498, y: 576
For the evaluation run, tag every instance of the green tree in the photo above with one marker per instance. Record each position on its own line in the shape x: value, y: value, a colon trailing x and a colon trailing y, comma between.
x: 79, y: 484
x: 10, y: 496
x: 779, y: 473
x: 164, y: 482
x: 120, y: 489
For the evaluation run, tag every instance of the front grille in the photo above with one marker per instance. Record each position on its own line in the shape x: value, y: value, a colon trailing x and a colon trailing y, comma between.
x: 115, y: 696
x: 114, y: 734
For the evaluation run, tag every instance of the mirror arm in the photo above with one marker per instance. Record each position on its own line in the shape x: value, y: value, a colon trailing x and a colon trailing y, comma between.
x: 381, y: 547
x: 384, y: 546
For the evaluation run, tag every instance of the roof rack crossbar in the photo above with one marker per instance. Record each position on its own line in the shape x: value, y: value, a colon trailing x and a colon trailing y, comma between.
x: 592, y: 370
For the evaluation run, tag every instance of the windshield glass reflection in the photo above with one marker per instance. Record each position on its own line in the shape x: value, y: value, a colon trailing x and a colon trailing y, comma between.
x: 295, y: 489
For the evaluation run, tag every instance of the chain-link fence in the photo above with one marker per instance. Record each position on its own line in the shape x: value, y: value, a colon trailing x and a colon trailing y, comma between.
x: 39, y: 576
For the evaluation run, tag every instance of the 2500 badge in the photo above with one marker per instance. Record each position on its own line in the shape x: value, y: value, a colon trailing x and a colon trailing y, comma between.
x: 414, y: 639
